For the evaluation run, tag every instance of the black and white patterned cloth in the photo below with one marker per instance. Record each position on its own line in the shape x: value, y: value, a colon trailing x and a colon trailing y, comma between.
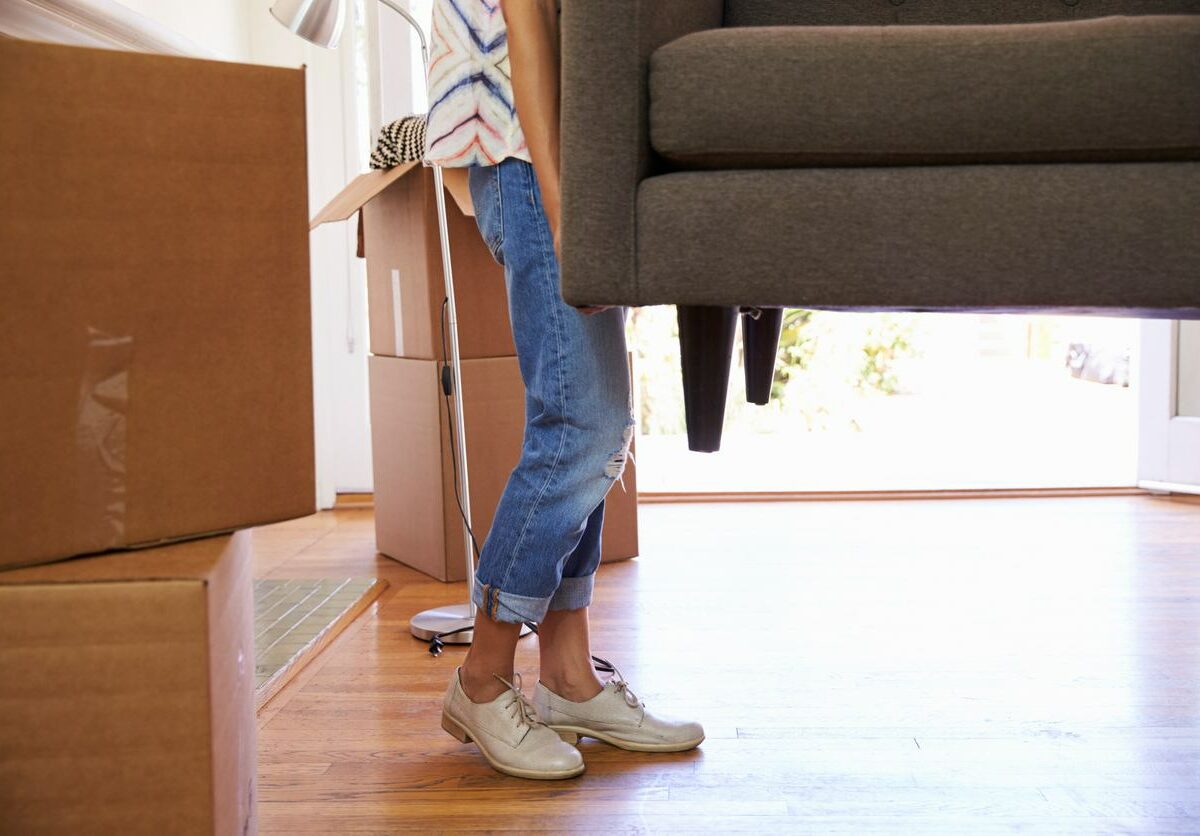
x: 402, y: 141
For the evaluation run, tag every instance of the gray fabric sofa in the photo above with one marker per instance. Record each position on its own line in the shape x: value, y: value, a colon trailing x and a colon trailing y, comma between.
x: 734, y: 157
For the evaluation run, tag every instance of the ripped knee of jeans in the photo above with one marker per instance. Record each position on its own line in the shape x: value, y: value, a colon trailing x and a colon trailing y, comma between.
x: 615, y: 468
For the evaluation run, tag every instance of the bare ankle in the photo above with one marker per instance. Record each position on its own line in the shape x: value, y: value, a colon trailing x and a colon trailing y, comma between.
x: 576, y: 687
x: 481, y: 687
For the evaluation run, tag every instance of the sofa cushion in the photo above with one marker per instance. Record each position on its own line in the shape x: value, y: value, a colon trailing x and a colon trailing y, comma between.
x: 910, y: 12
x: 1113, y: 88
x: 1095, y: 238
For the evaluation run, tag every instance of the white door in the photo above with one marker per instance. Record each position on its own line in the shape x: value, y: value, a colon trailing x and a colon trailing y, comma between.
x: 1169, y: 406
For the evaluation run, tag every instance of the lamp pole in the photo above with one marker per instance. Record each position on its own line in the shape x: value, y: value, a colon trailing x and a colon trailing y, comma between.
x: 429, y: 623
x: 320, y: 22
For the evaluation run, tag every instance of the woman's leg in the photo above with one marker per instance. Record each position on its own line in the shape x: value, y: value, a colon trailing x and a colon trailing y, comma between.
x: 563, y: 635
x: 563, y: 638
x: 493, y: 646
x: 578, y: 419
x: 566, y: 655
x: 577, y: 427
x: 541, y: 553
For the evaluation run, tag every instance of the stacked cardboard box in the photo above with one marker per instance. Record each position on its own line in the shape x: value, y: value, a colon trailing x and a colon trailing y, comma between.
x: 417, y: 520
x: 127, y: 690
x: 156, y: 368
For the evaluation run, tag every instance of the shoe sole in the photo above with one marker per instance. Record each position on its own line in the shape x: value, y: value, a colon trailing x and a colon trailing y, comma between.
x: 571, y: 734
x: 459, y: 732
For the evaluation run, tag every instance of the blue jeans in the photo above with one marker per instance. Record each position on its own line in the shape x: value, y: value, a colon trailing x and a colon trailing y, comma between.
x: 544, y: 544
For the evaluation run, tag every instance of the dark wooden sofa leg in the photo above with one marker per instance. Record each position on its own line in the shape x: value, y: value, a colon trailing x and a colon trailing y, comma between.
x: 706, y: 335
x: 761, y: 328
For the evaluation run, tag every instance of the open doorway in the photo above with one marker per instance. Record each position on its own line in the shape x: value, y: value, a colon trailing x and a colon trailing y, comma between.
x: 904, y: 401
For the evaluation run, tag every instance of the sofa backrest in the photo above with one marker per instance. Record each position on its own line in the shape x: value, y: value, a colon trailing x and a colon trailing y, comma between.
x: 882, y: 12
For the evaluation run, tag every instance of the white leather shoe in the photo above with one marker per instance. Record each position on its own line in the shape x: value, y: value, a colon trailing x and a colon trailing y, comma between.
x: 509, y: 733
x: 616, y: 716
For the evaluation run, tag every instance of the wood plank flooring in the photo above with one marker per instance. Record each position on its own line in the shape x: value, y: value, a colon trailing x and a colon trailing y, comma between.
x: 965, y: 666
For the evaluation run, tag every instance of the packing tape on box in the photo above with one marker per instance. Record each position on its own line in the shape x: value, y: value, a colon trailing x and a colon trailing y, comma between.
x: 101, y: 431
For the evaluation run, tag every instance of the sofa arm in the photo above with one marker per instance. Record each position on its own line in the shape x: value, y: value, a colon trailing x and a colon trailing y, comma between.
x: 606, y: 48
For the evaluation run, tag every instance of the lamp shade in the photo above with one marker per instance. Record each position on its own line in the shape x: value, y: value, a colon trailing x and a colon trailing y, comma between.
x: 317, y: 21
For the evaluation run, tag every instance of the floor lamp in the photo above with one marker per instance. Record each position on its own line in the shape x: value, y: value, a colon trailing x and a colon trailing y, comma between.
x: 320, y: 22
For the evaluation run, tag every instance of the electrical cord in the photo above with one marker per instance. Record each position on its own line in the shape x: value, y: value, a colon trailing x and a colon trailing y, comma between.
x: 447, y: 377
x: 436, y: 644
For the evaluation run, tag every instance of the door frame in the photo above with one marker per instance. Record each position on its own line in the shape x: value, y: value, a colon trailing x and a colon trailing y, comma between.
x: 1168, y: 443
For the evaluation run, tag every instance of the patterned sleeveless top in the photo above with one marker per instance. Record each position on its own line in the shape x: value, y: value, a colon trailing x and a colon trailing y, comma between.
x: 472, y: 115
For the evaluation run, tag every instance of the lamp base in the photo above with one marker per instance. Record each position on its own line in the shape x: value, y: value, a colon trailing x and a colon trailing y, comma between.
x: 425, y: 625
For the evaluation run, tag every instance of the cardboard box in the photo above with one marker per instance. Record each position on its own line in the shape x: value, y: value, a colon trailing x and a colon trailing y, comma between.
x: 155, y: 316
x: 417, y: 520
x: 404, y: 264
x: 127, y: 691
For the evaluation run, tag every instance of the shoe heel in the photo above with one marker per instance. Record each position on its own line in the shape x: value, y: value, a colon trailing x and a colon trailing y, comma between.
x: 568, y: 737
x: 454, y: 729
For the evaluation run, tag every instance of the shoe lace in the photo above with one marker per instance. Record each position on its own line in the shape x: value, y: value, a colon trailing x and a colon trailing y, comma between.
x: 521, y: 709
x: 622, y: 687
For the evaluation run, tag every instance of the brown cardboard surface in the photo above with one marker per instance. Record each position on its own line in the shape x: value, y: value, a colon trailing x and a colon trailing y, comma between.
x: 416, y: 514
x: 126, y: 684
x: 619, y: 536
x: 405, y: 286
x: 357, y: 192
x: 494, y: 412
x: 155, y: 319
x: 365, y: 186
x: 406, y: 446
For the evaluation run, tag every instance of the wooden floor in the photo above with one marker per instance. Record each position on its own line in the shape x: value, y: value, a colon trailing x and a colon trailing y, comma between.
x: 965, y: 666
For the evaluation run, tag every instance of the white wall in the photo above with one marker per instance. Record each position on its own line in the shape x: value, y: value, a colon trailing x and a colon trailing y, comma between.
x: 399, y: 76
x: 338, y: 149
x: 219, y: 25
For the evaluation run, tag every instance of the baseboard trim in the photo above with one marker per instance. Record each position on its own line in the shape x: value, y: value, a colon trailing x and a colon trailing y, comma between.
x: 354, y: 500
x: 650, y: 497
x: 367, y: 500
x: 1172, y: 487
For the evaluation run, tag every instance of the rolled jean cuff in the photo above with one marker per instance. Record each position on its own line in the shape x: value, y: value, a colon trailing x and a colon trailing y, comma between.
x: 573, y: 593
x: 499, y: 605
